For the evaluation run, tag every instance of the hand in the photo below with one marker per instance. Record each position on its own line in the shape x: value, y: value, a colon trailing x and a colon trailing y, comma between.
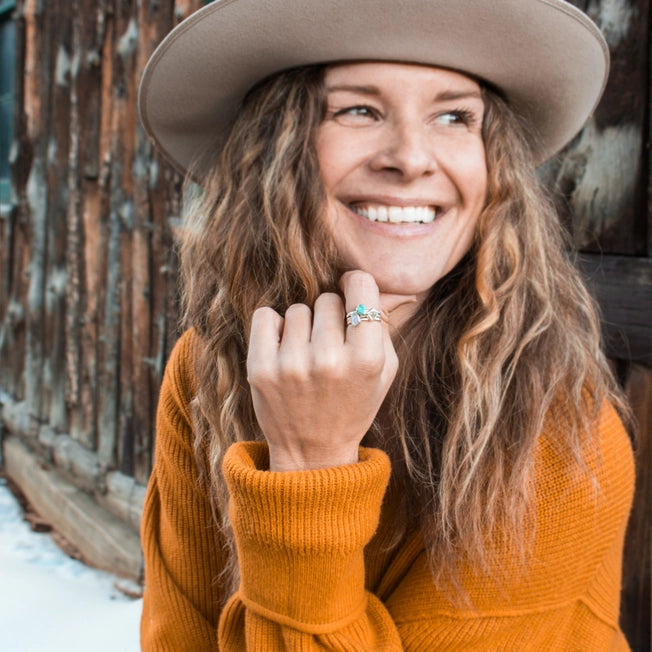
x: 317, y: 384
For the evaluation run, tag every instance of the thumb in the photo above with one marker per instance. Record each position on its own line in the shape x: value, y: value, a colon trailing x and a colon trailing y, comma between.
x: 396, y: 309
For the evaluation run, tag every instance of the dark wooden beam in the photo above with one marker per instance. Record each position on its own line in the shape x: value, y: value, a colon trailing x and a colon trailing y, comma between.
x: 622, y: 285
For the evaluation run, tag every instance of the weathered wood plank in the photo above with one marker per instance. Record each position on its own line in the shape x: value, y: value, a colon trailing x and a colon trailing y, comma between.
x: 38, y: 76
x: 636, y: 603
x: 623, y: 287
x: 108, y: 398
x: 600, y: 174
x: 14, y: 233
x: 107, y: 231
x: 126, y: 36
x: 648, y: 149
x: 14, y: 238
x: 75, y: 288
x: 120, y: 494
x: 103, y: 540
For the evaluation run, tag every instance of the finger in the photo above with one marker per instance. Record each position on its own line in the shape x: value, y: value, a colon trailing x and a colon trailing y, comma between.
x: 396, y: 309
x: 328, y: 320
x: 293, y: 359
x: 264, y: 338
x: 297, y: 326
x: 390, y: 302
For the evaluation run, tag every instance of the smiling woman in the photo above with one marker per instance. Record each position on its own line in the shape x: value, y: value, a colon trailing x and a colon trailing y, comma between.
x: 385, y: 426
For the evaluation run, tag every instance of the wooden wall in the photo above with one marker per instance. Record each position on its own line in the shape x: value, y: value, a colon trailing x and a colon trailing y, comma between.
x: 88, y: 268
x: 88, y: 307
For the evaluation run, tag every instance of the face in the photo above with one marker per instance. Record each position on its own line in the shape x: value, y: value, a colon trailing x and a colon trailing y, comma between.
x: 403, y: 165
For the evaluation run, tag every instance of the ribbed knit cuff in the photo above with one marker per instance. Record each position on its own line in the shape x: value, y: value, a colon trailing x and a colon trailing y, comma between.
x: 301, y: 535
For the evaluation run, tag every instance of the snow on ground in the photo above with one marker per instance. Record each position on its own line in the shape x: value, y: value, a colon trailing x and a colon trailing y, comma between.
x: 49, y: 601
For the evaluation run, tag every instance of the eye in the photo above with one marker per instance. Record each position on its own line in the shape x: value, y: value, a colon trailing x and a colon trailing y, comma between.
x: 359, y: 113
x: 461, y: 117
x: 456, y: 117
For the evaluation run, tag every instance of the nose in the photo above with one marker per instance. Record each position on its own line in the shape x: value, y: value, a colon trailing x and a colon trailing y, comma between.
x: 405, y: 150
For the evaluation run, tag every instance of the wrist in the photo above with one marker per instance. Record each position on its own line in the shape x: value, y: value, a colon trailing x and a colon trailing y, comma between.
x: 305, y: 460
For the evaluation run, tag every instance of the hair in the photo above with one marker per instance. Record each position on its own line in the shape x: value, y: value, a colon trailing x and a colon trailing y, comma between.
x: 484, y: 365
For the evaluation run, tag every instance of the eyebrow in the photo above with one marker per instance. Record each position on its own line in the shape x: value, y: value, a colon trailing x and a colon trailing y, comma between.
x: 354, y: 88
x: 458, y: 95
x: 444, y: 96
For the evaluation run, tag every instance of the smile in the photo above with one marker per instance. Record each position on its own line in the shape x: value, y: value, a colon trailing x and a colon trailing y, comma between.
x: 397, y: 214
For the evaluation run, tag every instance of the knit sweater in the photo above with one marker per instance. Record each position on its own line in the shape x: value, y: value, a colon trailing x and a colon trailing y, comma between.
x: 318, y: 571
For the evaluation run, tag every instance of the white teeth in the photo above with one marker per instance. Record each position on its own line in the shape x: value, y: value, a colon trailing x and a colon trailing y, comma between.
x: 396, y: 214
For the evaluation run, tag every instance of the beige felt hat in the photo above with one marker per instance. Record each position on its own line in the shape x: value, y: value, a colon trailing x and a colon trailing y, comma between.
x: 546, y: 56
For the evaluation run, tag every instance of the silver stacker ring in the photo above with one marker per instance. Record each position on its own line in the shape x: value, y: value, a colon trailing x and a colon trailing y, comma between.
x: 360, y: 314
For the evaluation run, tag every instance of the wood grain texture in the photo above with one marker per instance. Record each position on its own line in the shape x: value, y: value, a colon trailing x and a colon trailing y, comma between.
x: 104, y: 541
x: 622, y: 286
x: 88, y: 309
x: 635, y: 609
x: 600, y: 178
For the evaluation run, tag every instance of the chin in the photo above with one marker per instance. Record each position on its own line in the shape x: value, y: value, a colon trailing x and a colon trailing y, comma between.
x: 392, y: 286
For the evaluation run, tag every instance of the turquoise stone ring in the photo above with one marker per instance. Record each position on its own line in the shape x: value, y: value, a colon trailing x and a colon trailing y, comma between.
x: 360, y: 314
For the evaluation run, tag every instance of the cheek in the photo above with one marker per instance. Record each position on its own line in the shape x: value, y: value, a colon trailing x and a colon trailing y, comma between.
x: 329, y: 158
x: 328, y: 171
x: 339, y: 154
x: 472, y: 177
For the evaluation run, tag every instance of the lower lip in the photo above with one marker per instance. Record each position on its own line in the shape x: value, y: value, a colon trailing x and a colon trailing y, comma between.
x: 397, y: 229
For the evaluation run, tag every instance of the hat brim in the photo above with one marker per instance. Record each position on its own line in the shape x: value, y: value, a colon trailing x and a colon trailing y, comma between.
x: 547, y: 57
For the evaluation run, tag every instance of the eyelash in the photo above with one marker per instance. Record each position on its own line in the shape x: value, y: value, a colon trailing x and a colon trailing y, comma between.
x: 349, y: 110
x: 464, y: 116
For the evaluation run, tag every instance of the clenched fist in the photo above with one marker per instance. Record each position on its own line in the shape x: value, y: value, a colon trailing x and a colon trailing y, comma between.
x: 316, y: 383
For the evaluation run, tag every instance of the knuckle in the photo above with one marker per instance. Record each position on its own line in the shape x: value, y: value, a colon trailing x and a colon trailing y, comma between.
x: 327, y: 364
x: 369, y: 363
x: 328, y: 299
x: 262, y: 320
x: 263, y: 313
x: 361, y: 281
x: 293, y: 369
x: 259, y: 375
x: 298, y: 310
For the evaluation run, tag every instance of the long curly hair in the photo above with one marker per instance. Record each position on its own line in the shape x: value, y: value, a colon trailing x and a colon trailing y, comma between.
x: 497, y: 344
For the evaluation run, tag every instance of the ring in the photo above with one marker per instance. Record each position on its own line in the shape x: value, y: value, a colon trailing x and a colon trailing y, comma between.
x: 361, y: 313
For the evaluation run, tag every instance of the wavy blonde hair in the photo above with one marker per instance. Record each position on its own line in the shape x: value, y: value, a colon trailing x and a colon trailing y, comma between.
x: 483, y: 366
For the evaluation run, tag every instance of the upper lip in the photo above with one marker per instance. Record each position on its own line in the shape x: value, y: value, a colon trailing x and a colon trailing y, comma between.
x: 384, y: 200
x: 401, y: 202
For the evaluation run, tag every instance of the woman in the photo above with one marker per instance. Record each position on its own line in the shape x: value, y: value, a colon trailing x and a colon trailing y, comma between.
x: 390, y: 425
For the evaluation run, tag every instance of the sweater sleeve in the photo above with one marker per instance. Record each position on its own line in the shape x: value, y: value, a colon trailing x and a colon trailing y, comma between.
x: 300, y: 540
x: 181, y: 546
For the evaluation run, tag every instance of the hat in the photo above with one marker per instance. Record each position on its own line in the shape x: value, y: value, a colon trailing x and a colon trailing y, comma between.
x: 547, y: 57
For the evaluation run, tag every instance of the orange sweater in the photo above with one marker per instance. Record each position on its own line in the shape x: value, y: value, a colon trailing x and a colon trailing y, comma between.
x: 317, y: 572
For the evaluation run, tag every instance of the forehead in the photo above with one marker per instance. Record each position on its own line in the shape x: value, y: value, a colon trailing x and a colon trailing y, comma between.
x: 380, y: 73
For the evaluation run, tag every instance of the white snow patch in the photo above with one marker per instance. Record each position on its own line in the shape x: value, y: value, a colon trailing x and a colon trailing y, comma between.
x: 51, y: 602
